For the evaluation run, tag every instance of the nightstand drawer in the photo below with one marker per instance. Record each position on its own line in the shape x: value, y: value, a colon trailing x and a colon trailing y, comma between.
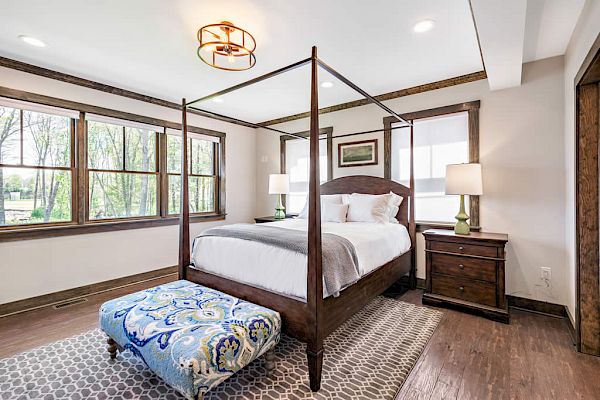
x: 465, y: 289
x: 460, y: 248
x: 468, y: 267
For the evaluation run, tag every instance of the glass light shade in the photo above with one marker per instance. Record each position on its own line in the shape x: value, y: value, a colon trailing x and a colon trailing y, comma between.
x: 464, y: 179
x: 279, y: 184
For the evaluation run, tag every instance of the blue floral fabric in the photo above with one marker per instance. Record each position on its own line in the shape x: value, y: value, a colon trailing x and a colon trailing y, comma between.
x: 191, y: 336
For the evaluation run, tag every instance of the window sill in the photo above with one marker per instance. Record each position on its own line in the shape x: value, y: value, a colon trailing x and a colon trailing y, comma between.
x: 423, y: 226
x: 97, y: 227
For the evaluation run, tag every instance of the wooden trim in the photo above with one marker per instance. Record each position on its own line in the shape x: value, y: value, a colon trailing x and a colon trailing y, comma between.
x: 459, y: 80
x: 222, y: 176
x: 474, y: 158
x: 163, y: 175
x: 569, y: 320
x: 51, y: 231
x: 75, y: 80
x: 589, y: 67
x: 81, y: 168
x: 587, y: 140
x: 374, y: 142
x: 540, y: 307
x: 472, y: 107
x: 50, y: 299
x: 107, y: 112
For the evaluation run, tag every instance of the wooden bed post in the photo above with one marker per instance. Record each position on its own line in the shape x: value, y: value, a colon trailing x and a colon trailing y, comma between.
x: 314, y: 345
x: 184, y: 214
x: 412, y: 226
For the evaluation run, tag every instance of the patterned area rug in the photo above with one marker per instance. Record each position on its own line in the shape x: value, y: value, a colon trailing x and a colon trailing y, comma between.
x: 368, y: 357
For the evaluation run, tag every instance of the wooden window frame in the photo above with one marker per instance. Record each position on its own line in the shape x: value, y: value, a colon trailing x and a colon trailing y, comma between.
x: 283, y: 139
x: 215, y: 176
x: 71, y: 169
x: 124, y: 170
x: 80, y: 224
x: 472, y: 108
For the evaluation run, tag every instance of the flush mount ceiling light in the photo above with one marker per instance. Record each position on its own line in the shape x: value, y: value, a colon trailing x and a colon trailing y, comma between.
x: 225, y: 46
x: 32, y: 41
x: 327, y: 84
x: 424, y: 26
x: 217, y: 100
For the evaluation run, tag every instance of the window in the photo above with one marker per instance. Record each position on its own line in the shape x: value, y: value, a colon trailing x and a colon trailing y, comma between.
x: 438, y: 141
x: 36, y: 165
x: 296, y: 161
x: 123, y: 171
x: 66, y: 170
x: 202, y: 164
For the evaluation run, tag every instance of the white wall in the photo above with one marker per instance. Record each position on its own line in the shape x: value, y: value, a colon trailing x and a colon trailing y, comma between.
x: 583, y: 37
x: 35, y: 267
x: 521, y: 150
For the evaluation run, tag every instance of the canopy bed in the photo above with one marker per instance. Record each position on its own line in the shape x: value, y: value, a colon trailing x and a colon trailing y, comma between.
x: 308, y: 315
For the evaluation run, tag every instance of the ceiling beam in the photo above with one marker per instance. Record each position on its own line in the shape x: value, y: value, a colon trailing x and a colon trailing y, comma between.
x: 500, y: 27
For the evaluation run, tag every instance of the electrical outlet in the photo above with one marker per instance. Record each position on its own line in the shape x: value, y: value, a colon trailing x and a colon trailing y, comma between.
x: 545, y: 274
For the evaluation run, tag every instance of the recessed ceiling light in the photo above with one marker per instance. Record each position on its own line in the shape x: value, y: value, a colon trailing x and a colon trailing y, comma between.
x: 327, y: 84
x: 32, y: 41
x: 424, y: 26
x: 217, y: 100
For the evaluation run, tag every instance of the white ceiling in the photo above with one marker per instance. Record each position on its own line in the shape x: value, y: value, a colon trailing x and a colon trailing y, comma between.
x: 149, y: 46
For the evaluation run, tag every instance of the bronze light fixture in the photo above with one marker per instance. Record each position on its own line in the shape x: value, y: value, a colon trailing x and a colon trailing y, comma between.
x: 225, y: 46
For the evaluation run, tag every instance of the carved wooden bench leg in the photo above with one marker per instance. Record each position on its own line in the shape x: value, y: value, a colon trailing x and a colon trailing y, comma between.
x: 112, y: 348
x: 270, y: 361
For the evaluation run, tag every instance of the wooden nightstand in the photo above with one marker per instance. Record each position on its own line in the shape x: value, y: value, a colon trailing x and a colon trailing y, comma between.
x: 262, y: 220
x: 467, y: 272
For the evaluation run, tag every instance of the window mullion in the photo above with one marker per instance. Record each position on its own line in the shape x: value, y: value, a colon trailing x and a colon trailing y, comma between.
x: 21, y: 137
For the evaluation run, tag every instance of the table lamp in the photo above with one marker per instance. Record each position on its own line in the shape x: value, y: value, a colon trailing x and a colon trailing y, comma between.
x: 463, y: 179
x: 279, y: 184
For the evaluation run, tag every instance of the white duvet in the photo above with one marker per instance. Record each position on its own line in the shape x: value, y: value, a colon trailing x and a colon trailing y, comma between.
x: 284, y: 271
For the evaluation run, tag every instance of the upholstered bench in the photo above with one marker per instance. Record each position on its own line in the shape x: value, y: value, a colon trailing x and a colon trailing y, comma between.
x: 191, y: 336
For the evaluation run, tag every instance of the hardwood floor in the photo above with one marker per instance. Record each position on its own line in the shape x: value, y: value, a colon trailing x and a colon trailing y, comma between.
x: 468, y: 357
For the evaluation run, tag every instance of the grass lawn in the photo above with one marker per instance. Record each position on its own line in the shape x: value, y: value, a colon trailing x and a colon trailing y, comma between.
x: 22, y: 205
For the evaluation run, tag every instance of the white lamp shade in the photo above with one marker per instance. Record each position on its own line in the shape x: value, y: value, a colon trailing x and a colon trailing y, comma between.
x: 464, y: 179
x: 279, y: 184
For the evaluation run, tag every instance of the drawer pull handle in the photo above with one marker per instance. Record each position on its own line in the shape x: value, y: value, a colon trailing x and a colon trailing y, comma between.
x: 461, y: 266
x: 462, y: 288
x: 461, y: 248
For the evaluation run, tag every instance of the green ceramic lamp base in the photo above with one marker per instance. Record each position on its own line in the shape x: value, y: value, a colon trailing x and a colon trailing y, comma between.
x: 462, y: 227
x: 279, y: 210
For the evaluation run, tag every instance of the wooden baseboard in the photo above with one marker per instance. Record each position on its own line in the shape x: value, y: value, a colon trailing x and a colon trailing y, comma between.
x: 541, y: 307
x: 421, y: 283
x: 51, y: 299
x: 570, y: 321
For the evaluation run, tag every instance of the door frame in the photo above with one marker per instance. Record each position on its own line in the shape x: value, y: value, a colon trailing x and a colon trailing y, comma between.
x: 587, y: 202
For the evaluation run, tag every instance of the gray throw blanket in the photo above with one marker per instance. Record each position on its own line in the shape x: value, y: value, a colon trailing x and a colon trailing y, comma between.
x: 340, y: 263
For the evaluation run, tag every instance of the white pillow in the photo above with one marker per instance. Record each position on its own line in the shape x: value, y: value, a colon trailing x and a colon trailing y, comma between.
x: 394, y: 206
x: 393, y: 211
x: 325, y: 198
x: 369, y: 208
x: 334, y: 212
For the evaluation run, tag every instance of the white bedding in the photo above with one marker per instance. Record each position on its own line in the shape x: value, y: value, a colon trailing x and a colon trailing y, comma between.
x: 284, y: 271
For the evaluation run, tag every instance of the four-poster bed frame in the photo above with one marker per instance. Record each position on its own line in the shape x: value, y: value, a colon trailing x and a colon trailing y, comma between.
x: 313, y: 320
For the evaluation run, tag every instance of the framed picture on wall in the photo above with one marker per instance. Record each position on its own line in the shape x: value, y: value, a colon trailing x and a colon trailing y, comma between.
x: 355, y: 154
